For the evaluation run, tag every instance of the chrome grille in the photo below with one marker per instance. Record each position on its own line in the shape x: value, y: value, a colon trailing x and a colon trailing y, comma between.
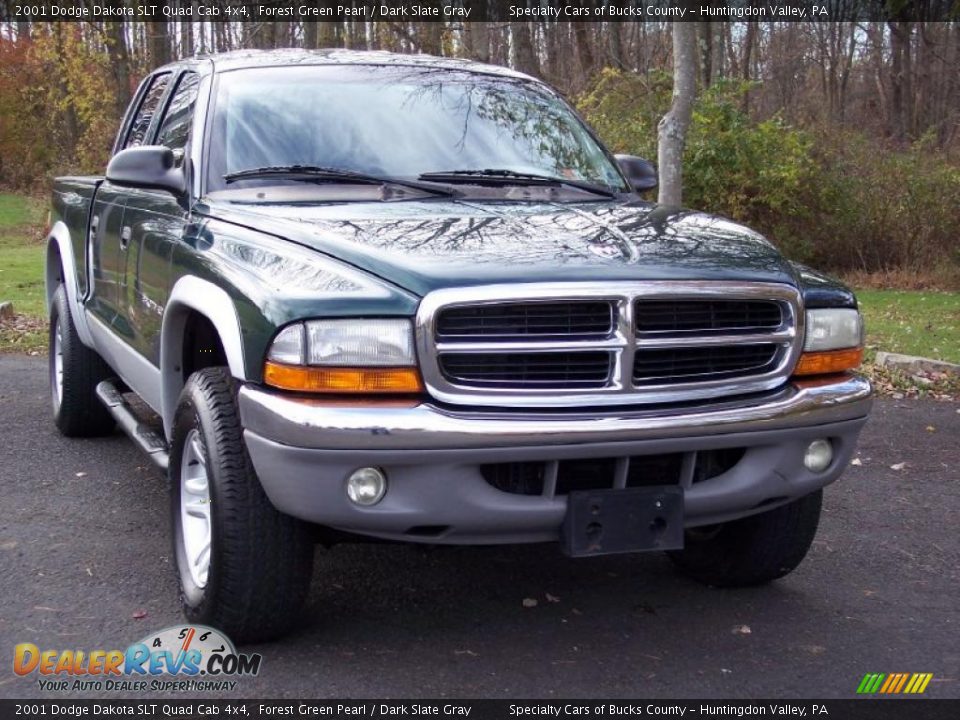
x: 593, y: 344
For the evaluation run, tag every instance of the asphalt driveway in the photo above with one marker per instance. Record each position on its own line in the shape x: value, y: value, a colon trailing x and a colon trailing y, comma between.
x: 85, y: 563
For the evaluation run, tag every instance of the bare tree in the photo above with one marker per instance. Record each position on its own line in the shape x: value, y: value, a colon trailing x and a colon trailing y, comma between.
x: 672, y: 130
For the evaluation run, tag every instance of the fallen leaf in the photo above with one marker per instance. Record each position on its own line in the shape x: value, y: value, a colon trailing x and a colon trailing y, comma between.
x: 576, y: 612
x: 857, y: 462
x: 80, y: 474
x: 931, y: 428
x: 8, y: 545
x: 529, y: 602
x: 898, y: 466
x: 139, y: 615
x: 552, y: 598
x: 89, y: 572
x: 724, y: 670
x: 741, y: 630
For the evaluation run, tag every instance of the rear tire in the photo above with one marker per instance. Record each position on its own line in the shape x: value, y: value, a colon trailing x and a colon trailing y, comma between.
x: 255, y: 576
x: 754, y: 550
x: 75, y: 370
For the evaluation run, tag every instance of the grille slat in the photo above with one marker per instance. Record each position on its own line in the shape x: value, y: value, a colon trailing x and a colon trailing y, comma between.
x: 689, y: 364
x: 706, y: 316
x: 569, y: 320
x: 559, y: 370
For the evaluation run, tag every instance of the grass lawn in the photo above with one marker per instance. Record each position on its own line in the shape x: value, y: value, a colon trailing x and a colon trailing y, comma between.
x: 911, y: 322
x: 21, y: 272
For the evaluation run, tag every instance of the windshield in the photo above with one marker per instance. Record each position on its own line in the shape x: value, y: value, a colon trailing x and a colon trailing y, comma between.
x: 397, y: 122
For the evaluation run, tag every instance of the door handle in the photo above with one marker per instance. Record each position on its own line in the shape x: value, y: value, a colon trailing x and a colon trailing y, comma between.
x: 125, y: 238
x: 94, y: 224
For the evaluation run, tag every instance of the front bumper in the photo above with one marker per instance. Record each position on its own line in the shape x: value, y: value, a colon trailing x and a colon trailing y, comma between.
x: 305, y: 448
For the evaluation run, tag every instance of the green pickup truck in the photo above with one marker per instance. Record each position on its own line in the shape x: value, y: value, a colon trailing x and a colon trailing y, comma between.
x: 339, y: 296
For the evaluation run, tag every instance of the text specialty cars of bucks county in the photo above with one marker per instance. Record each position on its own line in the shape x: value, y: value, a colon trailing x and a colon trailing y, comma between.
x: 340, y: 295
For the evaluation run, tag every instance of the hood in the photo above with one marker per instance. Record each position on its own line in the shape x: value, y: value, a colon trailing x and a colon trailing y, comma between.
x: 430, y: 244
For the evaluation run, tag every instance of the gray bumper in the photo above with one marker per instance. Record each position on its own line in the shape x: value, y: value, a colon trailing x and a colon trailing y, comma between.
x: 304, y: 449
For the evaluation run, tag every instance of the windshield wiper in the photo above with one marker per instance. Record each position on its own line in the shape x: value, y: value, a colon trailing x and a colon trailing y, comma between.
x: 513, y: 177
x: 318, y: 173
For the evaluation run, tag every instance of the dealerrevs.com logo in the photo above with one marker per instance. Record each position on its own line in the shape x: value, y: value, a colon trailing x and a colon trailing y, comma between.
x: 179, y: 658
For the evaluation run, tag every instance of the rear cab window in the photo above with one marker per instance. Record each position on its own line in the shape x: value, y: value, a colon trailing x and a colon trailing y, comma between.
x: 175, y: 128
x: 140, y: 125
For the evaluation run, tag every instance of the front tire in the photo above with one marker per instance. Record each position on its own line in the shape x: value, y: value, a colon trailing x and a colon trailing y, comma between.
x: 754, y: 550
x: 243, y: 566
x: 75, y: 370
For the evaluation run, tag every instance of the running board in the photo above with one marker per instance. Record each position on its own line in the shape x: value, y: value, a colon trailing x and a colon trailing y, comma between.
x: 145, y: 437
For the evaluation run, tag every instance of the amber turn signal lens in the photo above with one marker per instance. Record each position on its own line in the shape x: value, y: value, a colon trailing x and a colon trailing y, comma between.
x: 831, y: 361
x: 342, y: 380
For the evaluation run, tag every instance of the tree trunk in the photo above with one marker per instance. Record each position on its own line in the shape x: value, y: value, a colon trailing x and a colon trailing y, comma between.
x: 71, y: 124
x: 327, y: 34
x: 705, y: 47
x: 120, y: 65
x: 745, y: 62
x: 310, y: 34
x: 900, y: 95
x: 672, y: 130
x: 158, y: 34
x: 581, y: 37
x: 616, y: 45
x: 524, y: 55
x: 186, y: 32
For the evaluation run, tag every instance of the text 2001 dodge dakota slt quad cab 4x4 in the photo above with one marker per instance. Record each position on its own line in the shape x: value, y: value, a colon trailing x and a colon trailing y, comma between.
x: 416, y: 299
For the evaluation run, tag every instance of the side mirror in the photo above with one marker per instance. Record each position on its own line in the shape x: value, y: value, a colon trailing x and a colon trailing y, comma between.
x: 641, y: 173
x: 148, y: 166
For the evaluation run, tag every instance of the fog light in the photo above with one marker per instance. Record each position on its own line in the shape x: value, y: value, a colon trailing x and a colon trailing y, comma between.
x: 818, y: 456
x: 367, y: 486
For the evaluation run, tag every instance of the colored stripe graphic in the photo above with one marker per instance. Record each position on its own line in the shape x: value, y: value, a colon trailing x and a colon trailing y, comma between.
x: 870, y: 683
x: 903, y: 681
x: 894, y: 683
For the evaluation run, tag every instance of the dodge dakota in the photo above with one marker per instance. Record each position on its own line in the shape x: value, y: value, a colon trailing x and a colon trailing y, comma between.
x: 339, y: 295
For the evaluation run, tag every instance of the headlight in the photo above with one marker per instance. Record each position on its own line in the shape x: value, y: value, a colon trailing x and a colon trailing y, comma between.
x: 833, y: 342
x: 833, y: 329
x: 367, y: 343
x: 345, y: 356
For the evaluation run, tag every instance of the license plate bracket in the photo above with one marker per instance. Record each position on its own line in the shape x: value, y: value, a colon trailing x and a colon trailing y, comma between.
x: 603, y: 522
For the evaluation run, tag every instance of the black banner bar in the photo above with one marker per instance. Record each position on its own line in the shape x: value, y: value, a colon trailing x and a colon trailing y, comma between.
x: 479, y: 10
x: 150, y: 708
